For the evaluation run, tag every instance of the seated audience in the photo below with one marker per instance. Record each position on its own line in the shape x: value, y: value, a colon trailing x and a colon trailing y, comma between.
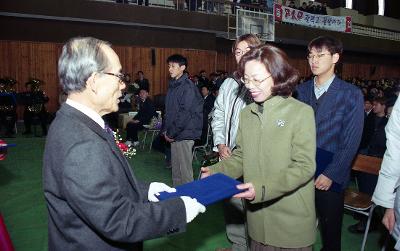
x: 303, y: 6
x: 373, y: 143
x: 146, y: 112
x: 203, y: 80
x: 209, y: 100
x: 310, y: 7
x: 323, y: 10
x: 292, y: 5
x: 142, y: 81
x: 368, y: 106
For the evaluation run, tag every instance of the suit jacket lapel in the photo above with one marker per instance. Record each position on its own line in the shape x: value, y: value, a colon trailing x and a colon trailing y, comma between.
x: 328, y: 101
x: 103, y: 134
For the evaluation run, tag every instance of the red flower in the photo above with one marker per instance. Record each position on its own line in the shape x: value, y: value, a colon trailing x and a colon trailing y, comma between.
x: 128, y: 151
x: 123, y: 147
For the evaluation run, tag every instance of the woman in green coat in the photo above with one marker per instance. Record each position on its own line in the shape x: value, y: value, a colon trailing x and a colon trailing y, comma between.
x: 275, y: 154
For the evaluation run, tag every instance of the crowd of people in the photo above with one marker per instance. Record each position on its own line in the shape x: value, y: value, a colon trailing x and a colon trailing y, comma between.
x: 219, y: 7
x: 310, y: 7
x: 33, y: 101
x: 269, y: 129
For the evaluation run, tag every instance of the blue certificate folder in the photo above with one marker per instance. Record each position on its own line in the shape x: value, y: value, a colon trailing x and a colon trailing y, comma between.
x: 207, y: 191
x: 323, y: 159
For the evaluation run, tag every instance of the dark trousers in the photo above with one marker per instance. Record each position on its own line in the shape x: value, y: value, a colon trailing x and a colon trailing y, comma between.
x: 366, y: 182
x: 132, y: 130
x: 7, y: 120
x: 329, y: 208
x: 30, y: 116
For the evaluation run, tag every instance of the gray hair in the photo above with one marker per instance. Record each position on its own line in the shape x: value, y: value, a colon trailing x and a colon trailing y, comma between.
x: 80, y: 58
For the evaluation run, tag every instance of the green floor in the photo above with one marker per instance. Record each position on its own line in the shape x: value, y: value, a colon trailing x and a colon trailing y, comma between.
x: 23, y: 206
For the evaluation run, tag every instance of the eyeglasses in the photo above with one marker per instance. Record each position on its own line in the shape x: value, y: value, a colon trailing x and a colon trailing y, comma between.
x: 316, y: 56
x: 120, y: 76
x: 255, y: 82
x: 239, y: 52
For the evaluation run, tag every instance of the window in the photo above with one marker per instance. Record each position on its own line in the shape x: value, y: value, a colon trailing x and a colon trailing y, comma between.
x: 349, y: 4
x: 381, y: 7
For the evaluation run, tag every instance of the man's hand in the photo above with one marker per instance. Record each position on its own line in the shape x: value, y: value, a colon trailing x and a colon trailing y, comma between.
x: 205, y: 172
x: 323, y: 183
x: 249, y: 194
x: 224, y: 151
x: 168, y: 139
x: 389, y: 219
x: 155, y: 188
x: 193, y: 208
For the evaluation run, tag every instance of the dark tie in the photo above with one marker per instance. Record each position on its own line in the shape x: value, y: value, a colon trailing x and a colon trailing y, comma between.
x: 109, y: 131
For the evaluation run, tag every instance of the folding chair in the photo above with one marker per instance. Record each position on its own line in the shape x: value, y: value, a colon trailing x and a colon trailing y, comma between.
x: 359, y: 202
x: 205, y: 145
x: 154, y: 132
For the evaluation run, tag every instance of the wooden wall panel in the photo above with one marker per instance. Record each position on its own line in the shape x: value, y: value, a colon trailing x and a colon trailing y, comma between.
x: 370, y: 71
x: 301, y: 65
x: 225, y: 62
x: 23, y: 60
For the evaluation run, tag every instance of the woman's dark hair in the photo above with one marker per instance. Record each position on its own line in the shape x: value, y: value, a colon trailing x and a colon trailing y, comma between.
x: 284, y: 75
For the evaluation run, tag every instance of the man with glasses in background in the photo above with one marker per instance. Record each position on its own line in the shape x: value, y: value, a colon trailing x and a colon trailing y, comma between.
x: 339, y: 118
x: 94, y: 200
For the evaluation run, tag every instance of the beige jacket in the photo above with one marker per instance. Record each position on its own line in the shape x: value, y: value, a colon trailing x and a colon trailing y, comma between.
x: 276, y: 153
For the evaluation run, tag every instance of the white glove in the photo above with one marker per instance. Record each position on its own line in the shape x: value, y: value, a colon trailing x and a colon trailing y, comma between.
x: 155, y: 188
x: 193, y: 208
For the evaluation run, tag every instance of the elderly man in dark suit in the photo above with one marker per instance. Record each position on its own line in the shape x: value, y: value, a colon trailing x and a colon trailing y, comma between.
x: 94, y: 200
x: 339, y: 118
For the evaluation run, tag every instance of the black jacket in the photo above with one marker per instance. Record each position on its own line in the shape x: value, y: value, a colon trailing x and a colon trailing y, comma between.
x: 374, y: 137
x: 146, y: 111
x: 208, y: 105
x: 183, y: 110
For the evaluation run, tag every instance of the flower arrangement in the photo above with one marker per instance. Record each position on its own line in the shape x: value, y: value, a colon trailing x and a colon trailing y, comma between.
x: 127, y: 150
x: 156, y: 123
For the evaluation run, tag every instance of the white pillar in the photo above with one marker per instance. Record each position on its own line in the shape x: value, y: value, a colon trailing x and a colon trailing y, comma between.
x: 381, y: 7
x: 349, y: 4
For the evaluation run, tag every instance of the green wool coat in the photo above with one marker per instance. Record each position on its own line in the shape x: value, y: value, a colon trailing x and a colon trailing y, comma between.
x: 276, y: 152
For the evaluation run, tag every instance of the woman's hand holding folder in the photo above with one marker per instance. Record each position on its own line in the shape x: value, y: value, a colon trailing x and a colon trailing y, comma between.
x: 250, y: 192
x: 204, y: 172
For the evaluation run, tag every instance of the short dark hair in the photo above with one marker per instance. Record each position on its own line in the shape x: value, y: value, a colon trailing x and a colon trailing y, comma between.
x: 368, y: 98
x: 276, y: 62
x: 140, y: 72
x: 380, y: 100
x: 331, y: 44
x: 177, y: 58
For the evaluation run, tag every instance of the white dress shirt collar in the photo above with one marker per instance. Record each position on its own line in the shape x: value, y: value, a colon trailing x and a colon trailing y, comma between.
x: 87, y: 111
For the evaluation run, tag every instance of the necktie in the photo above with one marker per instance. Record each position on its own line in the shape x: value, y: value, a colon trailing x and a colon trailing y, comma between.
x: 109, y: 131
